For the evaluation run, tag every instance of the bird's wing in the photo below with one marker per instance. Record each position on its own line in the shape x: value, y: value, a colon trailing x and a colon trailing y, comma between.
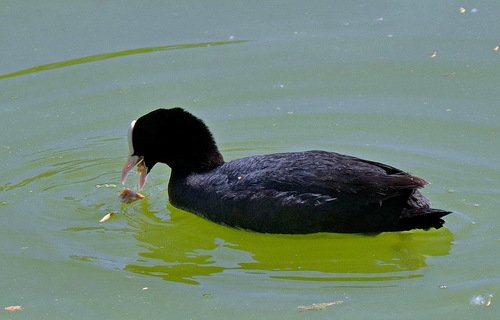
x: 330, y: 174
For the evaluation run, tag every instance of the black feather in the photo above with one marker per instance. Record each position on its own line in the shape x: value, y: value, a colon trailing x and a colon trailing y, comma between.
x: 300, y: 192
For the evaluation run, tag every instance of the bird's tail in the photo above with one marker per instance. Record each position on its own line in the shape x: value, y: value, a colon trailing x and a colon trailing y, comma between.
x: 422, y: 218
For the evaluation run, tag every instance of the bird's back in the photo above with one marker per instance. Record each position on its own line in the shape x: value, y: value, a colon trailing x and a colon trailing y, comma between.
x: 303, y: 192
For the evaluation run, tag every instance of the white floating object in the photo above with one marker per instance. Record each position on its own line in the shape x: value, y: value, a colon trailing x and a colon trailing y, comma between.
x: 13, y: 308
x: 106, y: 217
x: 480, y: 300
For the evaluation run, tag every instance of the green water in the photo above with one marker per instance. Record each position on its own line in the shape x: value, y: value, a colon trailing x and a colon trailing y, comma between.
x: 414, y: 85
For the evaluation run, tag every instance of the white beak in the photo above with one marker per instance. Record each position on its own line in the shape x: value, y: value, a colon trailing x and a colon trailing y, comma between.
x: 133, y: 161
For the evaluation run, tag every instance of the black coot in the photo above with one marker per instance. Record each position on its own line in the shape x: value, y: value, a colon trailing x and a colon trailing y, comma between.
x: 298, y: 192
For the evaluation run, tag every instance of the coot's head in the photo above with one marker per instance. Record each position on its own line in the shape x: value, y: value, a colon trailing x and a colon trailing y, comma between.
x: 174, y: 137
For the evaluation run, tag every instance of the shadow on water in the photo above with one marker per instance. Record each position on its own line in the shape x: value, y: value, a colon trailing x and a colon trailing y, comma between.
x: 188, y: 247
x: 116, y: 54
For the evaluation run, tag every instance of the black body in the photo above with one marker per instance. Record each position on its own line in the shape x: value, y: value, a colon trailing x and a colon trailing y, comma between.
x: 300, y: 192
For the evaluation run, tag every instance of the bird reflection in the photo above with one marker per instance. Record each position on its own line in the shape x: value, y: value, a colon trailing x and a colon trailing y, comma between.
x: 186, y: 248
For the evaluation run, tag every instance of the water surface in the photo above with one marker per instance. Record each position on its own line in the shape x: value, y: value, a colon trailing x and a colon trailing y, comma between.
x: 411, y: 85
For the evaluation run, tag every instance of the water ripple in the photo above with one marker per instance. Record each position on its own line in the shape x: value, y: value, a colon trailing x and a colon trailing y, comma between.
x: 115, y: 54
